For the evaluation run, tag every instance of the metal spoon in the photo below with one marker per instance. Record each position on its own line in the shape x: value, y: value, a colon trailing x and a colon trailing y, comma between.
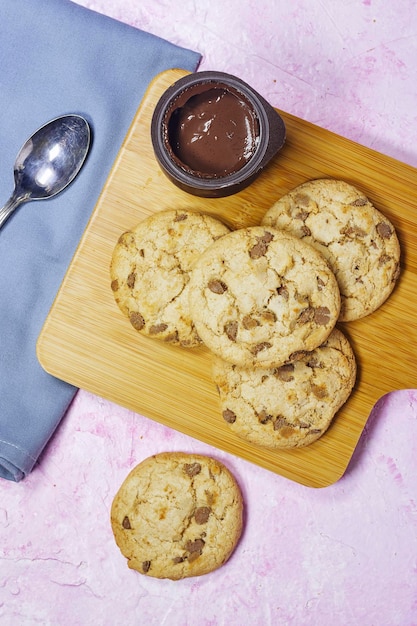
x: 48, y: 161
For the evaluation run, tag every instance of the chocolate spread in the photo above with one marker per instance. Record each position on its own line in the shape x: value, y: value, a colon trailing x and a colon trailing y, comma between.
x: 212, y: 130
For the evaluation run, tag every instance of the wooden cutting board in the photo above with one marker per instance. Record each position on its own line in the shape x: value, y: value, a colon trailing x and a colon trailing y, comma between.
x: 87, y: 342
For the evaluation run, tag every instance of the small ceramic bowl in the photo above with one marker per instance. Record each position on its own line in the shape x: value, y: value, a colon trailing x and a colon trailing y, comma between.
x: 213, y: 134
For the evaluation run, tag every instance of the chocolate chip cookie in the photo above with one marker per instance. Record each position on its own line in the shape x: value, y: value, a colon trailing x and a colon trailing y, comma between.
x: 177, y: 515
x: 357, y: 240
x: 288, y: 406
x: 150, y: 269
x: 259, y: 295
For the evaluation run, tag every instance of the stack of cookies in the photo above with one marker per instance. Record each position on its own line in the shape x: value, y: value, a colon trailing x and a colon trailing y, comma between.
x: 265, y: 300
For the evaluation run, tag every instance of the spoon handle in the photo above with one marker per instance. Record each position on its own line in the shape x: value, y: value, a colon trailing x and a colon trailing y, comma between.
x: 6, y: 211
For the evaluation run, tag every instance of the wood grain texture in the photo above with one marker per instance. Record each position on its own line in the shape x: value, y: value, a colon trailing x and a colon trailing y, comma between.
x: 87, y: 342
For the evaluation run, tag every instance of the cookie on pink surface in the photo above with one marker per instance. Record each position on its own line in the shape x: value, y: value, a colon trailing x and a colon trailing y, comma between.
x: 177, y: 515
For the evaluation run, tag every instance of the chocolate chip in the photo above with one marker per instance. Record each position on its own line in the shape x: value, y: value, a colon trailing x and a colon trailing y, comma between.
x: 257, y: 250
x: 126, y: 523
x: 157, y: 328
x: 217, y: 286
x: 288, y: 431
x: 302, y: 199
x: 186, y: 343
x: 322, y: 316
x: 285, y: 372
x: 269, y: 316
x: 297, y: 355
x: 146, y: 566
x: 173, y: 338
x: 264, y: 417
x: 231, y: 328
x: 195, y: 546
x: 283, y: 291
x: 114, y: 285
x: 260, y: 248
x: 320, y: 283
x: 383, y: 259
x: 280, y: 422
x: 202, y: 514
x: 354, y: 231
x: 131, y: 280
x: 137, y: 321
x: 249, y: 322
x: 359, y: 202
x: 264, y: 345
x: 307, y: 315
x: 178, y: 559
x: 302, y: 215
x: 192, y: 469
x: 181, y: 217
x: 320, y: 391
x: 384, y: 230
x: 229, y: 416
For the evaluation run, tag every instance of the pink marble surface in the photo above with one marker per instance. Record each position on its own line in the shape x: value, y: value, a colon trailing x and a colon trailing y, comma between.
x: 346, y: 554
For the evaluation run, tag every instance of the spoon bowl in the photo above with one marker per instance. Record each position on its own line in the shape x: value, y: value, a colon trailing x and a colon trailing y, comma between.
x: 48, y: 161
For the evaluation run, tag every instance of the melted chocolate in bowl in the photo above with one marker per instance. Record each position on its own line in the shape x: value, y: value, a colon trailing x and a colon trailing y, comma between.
x: 212, y: 133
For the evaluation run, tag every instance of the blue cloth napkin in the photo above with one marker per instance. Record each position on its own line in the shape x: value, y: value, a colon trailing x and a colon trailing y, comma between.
x: 56, y: 57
